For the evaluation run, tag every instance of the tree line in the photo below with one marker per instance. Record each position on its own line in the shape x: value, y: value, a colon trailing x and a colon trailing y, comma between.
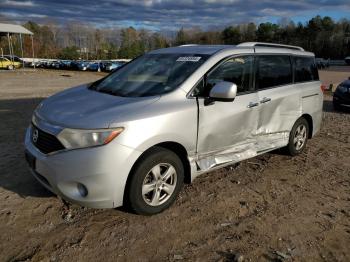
x: 321, y: 35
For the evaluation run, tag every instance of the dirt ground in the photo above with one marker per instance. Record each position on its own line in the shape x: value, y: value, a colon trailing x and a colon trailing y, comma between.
x: 269, y: 208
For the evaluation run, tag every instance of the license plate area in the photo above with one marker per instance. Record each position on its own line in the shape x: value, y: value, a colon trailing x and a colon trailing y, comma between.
x: 31, y: 160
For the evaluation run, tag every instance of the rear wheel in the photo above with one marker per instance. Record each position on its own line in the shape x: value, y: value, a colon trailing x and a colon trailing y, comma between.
x: 298, y: 137
x: 155, y: 182
x: 10, y: 67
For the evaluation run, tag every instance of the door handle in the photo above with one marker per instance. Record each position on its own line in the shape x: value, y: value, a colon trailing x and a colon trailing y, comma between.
x: 265, y: 100
x: 252, y: 104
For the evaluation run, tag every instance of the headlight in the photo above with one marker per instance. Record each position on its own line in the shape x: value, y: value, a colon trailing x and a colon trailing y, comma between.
x: 342, y: 89
x: 79, y: 138
x: 34, y: 121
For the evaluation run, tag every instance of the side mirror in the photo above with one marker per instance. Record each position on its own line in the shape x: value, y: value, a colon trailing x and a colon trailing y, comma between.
x: 223, y: 91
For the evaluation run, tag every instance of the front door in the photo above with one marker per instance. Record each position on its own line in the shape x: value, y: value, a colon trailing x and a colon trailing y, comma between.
x: 226, y: 129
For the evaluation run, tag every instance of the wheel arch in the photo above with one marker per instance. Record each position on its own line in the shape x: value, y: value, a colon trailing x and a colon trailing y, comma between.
x: 181, y: 152
x: 175, y: 147
x: 309, y: 120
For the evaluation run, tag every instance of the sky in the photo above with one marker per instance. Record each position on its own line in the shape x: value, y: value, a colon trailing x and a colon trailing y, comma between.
x: 170, y: 15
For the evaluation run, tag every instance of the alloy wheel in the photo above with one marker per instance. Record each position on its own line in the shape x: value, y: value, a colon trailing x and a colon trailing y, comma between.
x: 300, y: 137
x: 159, y: 184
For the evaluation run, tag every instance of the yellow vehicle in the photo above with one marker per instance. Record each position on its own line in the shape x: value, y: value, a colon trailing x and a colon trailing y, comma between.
x: 8, y: 64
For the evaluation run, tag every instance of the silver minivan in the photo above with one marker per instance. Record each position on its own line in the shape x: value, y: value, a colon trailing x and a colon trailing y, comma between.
x: 135, y: 136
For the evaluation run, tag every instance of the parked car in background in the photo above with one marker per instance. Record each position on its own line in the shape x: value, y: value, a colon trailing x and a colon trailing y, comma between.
x: 5, y: 63
x: 36, y: 64
x: 79, y: 65
x: 39, y: 64
x: 48, y: 63
x: 347, y: 60
x: 17, y: 59
x: 322, y: 63
x: 61, y: 64
x: 14, y: 58
x: 66, y: 64
x: 110, y: 66
x: 341, y: 96
x: 56, y: 64
x: 96, y: 66
x: 169, y: 116
x: 82, y: 65
x: 74, y: 65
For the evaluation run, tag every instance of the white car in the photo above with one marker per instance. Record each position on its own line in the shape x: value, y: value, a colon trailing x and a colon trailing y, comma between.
x: 135, y: 136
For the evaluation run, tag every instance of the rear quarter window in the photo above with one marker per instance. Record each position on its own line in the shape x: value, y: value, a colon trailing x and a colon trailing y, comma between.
x: 305, y: 69
x: 273, y: 70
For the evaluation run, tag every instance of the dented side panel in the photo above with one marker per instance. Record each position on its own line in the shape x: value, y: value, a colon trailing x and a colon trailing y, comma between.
x: 281, y: 110
x: 226, y: 132
x: 232, y: 154
x: 232, y: 132
x: 226, y: 124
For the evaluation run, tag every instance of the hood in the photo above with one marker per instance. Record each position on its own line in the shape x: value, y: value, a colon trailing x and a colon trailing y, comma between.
x: 82, y: 108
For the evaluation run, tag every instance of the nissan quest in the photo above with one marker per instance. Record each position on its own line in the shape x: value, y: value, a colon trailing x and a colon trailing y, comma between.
x: 134, y: 137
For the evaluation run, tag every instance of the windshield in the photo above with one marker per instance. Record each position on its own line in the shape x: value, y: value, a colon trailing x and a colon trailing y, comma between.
x: 149, y: 75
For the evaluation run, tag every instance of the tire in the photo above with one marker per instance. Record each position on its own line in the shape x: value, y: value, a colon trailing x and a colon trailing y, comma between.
x: 298, y: 137
x: 10, y: 67
x: 148, y: 192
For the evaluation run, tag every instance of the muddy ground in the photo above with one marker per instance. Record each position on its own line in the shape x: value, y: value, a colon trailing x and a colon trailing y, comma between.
x: 269, y: 208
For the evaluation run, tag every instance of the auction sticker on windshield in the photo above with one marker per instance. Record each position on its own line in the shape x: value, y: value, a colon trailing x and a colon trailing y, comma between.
x: 188, y: 59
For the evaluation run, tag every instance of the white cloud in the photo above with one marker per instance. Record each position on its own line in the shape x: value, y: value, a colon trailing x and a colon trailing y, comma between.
x: 10, y: 14
x: 18, y: 3
x: 164, y: 14
x: 37, y: 16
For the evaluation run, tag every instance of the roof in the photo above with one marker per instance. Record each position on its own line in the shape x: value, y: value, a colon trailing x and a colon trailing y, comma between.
x: 14, y: 29
x: 192, y: 49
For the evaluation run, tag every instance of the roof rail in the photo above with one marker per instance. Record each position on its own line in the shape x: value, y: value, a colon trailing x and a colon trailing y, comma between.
x: 261, y: 44
x: 188, y: 45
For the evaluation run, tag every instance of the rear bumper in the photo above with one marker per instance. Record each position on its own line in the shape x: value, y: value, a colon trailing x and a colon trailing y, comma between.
x: 103, y: 171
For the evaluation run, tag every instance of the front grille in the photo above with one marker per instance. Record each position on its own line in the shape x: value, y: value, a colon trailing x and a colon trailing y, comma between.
x: 347, y: 95
x: 45, y: 142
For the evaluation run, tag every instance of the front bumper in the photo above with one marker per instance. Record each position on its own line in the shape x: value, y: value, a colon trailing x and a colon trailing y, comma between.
x: 102, y: 170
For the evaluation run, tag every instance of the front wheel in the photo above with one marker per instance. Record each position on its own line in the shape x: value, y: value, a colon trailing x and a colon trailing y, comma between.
x: 298, y: 137
x: 336, y: 106
x: 10, y: 67
x: 155, y: 182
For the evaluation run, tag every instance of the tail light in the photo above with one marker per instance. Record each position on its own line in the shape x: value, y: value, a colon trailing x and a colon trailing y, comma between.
x: 323, y: 88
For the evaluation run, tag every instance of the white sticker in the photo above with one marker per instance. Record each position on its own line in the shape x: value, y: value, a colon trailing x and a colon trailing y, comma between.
x: 188, y: 59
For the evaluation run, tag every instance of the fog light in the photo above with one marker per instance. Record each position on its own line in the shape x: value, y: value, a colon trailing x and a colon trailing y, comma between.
x: 82, y: 190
